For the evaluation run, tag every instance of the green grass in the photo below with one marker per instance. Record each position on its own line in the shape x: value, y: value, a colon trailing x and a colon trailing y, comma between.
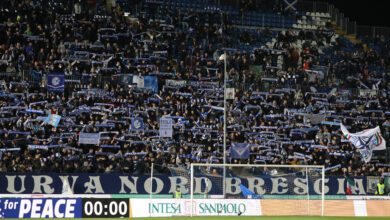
x: 244, y: 218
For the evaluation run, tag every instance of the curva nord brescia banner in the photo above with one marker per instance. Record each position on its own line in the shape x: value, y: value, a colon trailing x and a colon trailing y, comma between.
x: 165, y: 184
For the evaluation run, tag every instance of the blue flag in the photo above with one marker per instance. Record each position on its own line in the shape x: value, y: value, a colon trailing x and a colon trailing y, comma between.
x: 137, y: 123
x: 150, y: 82
x: 55, y: 82
x: 239, y: 151
x: 246, y: 193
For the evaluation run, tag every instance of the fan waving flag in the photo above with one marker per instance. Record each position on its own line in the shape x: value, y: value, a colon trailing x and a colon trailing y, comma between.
x: 366, y: 141
x: 53, y: 120
x: 55, y: 82
x: 239, y: 151
x: 137, y: 123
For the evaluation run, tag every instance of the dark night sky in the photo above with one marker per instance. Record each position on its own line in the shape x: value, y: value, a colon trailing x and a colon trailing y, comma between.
x: 365, y: 12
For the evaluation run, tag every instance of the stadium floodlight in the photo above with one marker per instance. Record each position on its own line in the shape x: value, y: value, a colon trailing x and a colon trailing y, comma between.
x: 298, y: 188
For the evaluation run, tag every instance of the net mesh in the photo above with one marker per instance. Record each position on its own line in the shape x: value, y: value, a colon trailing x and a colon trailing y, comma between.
x: 297, y: 189
x: 284, y: 190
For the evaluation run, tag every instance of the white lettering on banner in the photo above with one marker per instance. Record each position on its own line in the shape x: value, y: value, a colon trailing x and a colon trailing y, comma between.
x: 38, y: 184
x: 359, y: 186
x: 318, y: 186
x: 156, y: 183
x: 47, y: 211
x: 11, y: 184
x: 48, y: 184
x: 132, y: 186
x: 36, y: 208
x: 198, y: 185
x: 256, y: 185
x: 358, y: 189
x: 341, y: 186
x: 202, y: 207
x: 65, y: 179
x: 57, y: 208
x: 94, y: 184
x: 276, y: 184
x: 300, y: 186
x: 25, y: 207
x: 47, y: 208
x: 70, y: 208
x: 178, y: 181
x: 233, y: 188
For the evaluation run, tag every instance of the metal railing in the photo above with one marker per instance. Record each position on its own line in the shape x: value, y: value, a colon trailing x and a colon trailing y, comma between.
x: 346, y: 25
x: 371, y: 32
x: 31, y: 77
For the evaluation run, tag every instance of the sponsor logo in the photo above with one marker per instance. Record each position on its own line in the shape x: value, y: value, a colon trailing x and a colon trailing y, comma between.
x: 198, y: 207
x: 221, y: 208
x: 169, y: 208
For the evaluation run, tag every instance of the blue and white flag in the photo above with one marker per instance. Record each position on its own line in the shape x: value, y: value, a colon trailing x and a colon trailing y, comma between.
x: 110, y: 146
x: 10, y: 149
x: 55, y: 82
x: 166, y: 129
x: 366, y: 141
x: 37, y: 147
x: 53, y: 120
x: 239, y: 150
x: 137, y: 123
x: 34, y: 111
x: 89, y: 138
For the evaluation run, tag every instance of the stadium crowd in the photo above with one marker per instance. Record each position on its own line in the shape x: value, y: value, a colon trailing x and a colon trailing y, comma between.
x: 292, y: 89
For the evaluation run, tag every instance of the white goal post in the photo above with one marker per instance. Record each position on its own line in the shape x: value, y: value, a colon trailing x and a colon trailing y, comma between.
x: 298, y: 188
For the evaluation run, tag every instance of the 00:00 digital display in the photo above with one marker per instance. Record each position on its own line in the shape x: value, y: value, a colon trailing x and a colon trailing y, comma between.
x: 105, y: 208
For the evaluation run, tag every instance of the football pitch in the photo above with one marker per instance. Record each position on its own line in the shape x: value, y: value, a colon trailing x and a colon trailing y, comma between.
x: 244, y: 218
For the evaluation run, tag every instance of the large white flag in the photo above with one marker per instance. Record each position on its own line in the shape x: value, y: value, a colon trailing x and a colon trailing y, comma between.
x: 166, y: 129
x: 366, y: 141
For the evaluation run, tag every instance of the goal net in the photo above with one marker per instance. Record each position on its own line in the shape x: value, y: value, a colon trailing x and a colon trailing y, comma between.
x: 281, y: 189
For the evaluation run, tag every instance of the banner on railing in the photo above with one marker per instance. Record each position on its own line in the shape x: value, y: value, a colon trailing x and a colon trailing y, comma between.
x: 27, y: 183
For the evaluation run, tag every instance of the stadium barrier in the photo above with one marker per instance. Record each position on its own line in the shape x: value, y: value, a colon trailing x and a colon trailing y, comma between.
x: 28, y: 183
x: 247, y: 207
x: 132, y: 208
x: 112, y: 195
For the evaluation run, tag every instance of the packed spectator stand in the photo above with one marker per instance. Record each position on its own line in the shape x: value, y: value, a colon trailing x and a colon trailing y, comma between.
x: 295, y: 80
